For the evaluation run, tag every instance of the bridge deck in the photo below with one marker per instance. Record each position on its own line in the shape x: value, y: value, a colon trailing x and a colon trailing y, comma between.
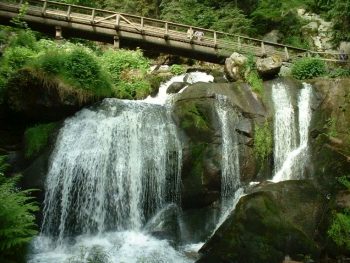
x: 147, y: 33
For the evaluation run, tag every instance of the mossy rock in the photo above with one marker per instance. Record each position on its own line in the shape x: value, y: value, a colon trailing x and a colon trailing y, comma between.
x: 273, y: 221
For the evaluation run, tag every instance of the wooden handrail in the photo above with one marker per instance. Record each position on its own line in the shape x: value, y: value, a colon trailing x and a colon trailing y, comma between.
x: 215, y: 38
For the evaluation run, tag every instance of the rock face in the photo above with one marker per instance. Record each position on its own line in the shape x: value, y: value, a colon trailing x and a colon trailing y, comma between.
x: 273, y: 221
x: 176, y: 87
x: 270, y: 66
x: 37, y: 98
x: 196, y: 115
x: 234, y: 66
x: 330, y: 130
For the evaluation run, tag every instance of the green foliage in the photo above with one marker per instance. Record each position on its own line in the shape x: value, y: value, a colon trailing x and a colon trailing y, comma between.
x: 138, y: 89
x: 255, y: 82
x: 307, y: 68
x: 18, y: 20
x: 36, y: 138
x: 24, y: 38
x: 345, y: 181
x: 339, y: 230
x: 263, y: 141
x: 331, y: 126
x: 177, y: 69
x: 250, y: 74
x: 17, y: 222
x: 339, y: 72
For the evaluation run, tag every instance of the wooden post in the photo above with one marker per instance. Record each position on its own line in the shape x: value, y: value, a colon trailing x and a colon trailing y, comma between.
x: 43, y: 11
x: 58, y: 34
x: 286, y: 53
x: 263, y: 50
x: 142, y: 25
x: 215, y: 39
x: 239, y: 43
x: 93, y: 16
x: 116, y: 42
x: 166, y: 35
x: 117, y: 22
x: 69, y: 11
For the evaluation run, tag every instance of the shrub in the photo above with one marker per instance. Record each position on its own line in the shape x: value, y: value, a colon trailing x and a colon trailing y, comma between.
x: 51, y: 62
x: 263, y: 141
x: 82, y: 69
x: 115, y: 62
x: 15, y: 58
x: 36, y: 138
x: 24, y: 38
x: 307, y: 68
x: 17, y: 222
x: 177, y: 69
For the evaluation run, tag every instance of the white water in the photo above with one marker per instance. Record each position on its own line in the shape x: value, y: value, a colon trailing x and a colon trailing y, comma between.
x: 291, y: 157
x: 231, y: 190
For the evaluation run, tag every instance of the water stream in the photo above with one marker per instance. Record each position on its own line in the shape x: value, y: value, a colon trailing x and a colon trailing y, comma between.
x: 291, y: 132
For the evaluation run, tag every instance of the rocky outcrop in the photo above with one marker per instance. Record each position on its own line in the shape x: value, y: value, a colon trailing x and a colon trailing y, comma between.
x: 329, y: 128
x: 196, y: 115
x: 273, y: 221
x: 36, y: 97
x: 269, y: 67
x: 234, y: 66
x: 176, y: 87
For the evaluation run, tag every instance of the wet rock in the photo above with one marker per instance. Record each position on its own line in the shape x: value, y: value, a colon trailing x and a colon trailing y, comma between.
x: 175, y: 87
x: 268, y: 224
x: 195, y: 112
x: 270, y: 66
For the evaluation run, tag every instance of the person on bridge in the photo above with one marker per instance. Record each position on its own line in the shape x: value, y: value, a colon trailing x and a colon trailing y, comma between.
x: 199, y: 35
x: 190, y: 33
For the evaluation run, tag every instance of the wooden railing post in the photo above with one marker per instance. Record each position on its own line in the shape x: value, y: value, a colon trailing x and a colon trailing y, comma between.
x: 117, y: 22
x: 93, y: 14
x: 286, y: 53
x: 166, y: 34
x: 215, y: 39
x: 239, y: 43
x: 69, y: 11
x: 263, y: 50
x: 43, y: 11
x: 142, y: 25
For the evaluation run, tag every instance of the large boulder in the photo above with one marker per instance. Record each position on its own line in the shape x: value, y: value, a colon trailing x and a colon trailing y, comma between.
x: 234, y: 66
x: 196, y: 114
x: 270, y: 66
x: 35, y: 97
x: 273, y: 221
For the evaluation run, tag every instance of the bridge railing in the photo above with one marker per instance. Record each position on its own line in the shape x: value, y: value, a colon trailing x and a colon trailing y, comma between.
x: 221, y: 41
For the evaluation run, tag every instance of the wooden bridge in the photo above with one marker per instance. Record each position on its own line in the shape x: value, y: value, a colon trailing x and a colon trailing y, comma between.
x: 126, y: 30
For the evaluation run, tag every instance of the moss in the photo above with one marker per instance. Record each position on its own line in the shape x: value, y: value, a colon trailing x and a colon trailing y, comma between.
x: 36, y: 138
x: 194, y: 118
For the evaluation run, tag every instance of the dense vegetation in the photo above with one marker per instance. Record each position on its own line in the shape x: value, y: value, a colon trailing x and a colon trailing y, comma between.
x: 17, y: 222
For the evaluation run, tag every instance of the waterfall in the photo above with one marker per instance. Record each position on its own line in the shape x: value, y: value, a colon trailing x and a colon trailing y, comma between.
x: 231, y: 190
x: 114, y: 167
x: 111, y: 168
x: 291, y: 157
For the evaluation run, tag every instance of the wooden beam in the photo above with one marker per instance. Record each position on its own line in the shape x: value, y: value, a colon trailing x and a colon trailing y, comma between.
x: 105, y: 18
x: 43, y: 11
x: 129, y: 22
x: 117, y: 22
x: 69, y: 11
x: 93, y: 14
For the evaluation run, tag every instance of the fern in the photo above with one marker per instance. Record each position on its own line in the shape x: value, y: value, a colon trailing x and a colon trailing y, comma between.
x: 17, y: 221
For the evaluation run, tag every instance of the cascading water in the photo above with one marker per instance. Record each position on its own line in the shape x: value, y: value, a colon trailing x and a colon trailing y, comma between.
x: 231, y: 190
x: 291, y: 158
x: 114, y: 166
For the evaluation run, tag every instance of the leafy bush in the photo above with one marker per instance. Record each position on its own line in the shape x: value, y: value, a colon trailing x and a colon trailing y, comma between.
x: 15, y: 58
x: 339, y: 230
x: 177, y: 69
x: 51, y: 62
x: 24, y: 38
x: 36, y: 138
x: 263, y: 141
x: 17, y: 222
x: 307, y: 68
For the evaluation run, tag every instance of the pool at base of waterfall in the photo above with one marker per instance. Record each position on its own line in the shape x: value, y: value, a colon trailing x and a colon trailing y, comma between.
x: 111, y: 247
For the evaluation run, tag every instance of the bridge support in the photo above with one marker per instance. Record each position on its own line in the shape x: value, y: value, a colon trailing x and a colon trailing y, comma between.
x: 58, y: 34
x: 116, y: 42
